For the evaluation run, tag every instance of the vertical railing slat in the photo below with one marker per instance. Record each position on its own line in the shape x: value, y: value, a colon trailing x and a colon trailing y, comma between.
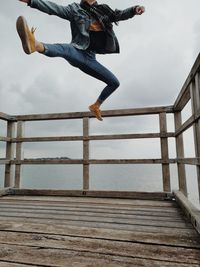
x: 20, y: 125
x: 180, y: 154
x: 164, y: 153
x: 9, y: 155
x: 195, y: 102
x: 86, y: 167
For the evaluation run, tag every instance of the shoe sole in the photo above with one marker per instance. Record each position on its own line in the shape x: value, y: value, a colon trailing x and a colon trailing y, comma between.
x: 92, y: 111
x: 22, y: 31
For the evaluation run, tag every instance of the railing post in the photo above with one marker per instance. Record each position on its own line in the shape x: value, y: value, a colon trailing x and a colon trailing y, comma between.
x: 180, y: 154
x: 86, y: 167
x: 195, y: 101
x: 18, y: 154
x: 164, y: 152
x: 9, y: 155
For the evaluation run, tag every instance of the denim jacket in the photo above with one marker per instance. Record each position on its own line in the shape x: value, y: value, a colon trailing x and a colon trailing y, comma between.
x: 80, y: 22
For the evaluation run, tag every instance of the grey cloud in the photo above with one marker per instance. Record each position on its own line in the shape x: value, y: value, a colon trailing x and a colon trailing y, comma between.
x: 157, y: 52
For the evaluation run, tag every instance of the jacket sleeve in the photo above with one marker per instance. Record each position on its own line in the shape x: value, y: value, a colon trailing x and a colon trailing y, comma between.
x: 52, y: 8
x: 124, y: 14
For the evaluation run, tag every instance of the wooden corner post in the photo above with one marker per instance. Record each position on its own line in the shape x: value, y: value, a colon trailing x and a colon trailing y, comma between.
x: 18, y: 154
x: 180, y: 154
x: 195, y: 101
x: 9, y: 155
x: 164, y: 152
x: 86, y: 167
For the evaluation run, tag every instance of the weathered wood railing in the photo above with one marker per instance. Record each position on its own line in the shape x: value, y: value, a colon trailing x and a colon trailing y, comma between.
x: 85, y: 138
x: 190, y: 90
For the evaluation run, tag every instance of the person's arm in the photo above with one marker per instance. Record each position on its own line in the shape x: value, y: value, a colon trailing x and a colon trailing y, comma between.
x: 50, y: 8
x: 127, y: 13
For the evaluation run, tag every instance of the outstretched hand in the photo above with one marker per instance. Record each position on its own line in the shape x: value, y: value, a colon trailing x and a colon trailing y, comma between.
x: 140, y: 10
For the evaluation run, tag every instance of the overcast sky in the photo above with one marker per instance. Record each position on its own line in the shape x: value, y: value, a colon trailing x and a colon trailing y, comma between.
x: 158, y: 50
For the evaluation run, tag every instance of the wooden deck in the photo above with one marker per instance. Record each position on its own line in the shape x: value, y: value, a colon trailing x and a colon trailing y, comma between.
x: 100, y: 232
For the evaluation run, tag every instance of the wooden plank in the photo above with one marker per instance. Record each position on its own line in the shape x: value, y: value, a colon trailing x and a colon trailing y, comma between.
x: 47, y: 139
x: 189, y: 161
x: 174, y: 239
x: 92, y: 212
x: 100, y: 225
x: 189, y: 209
x: 47, y: 161
x: 6, y: 117
x: 4, y: 192
x: 56, y: 252
x: 108, y: 113
x: 184, y: 95
x: 195, y: 100
x: 90, y: 202
x: 8, y: 182
x: 188, y: 123
x: 92, y: 137
x: 131, y: 161
x: 20, y: 129
x: 130, y: 136
x: 91, y: 217
x: 59, y: 200
x: 180, y: 154
x: 164, y: 153
x: 9, y: 264
x: 4, y: 161
x: 63, y: 241
x: 105, y: 194
x: 4, y: 139
x: 91, y: 161
x: 86, y: 155
x: 77, y: 258
x: 165, y: 212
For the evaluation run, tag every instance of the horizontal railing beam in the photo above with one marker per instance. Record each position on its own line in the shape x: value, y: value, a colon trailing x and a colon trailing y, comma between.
x: 92, y: 137
x: 91, y: 161
x: 184, y: 95
x: 130, y: 136
x: 6, y: 117
x: 5, y: 139
x: 108, y: 113
x: 47, y: 139
x: 47, y: 161
x: 91, y: 193
x: 187, y: 124
x: 4, y: 161
x: 131, y: 161
x: 189, y: 161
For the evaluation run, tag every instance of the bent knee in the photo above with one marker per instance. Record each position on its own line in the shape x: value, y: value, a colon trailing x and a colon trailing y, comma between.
x: 115, y: 83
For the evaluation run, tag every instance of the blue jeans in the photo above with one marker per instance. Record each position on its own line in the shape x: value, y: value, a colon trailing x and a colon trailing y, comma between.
x: 85, y: 61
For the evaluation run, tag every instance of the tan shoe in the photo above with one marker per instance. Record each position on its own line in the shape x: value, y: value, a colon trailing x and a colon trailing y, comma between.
x: 96, y: 111
x: 27, y: 36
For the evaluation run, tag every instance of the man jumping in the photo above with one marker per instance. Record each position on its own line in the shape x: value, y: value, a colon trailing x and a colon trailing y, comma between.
x: 92, y: 33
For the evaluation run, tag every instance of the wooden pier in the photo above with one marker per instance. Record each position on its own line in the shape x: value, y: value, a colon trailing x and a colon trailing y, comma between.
x: 103, y: 228
x: 95, y: 231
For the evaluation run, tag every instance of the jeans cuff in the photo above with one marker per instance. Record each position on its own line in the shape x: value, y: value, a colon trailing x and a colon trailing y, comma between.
x: 45, y: 49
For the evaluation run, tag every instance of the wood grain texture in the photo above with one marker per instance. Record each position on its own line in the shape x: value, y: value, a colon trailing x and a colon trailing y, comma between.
x: 184, y: 94
x: 8, y: 182
x: 78, y: 231
x: 180, y: 154
x: 164, y: 153
x: 107, y: 113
